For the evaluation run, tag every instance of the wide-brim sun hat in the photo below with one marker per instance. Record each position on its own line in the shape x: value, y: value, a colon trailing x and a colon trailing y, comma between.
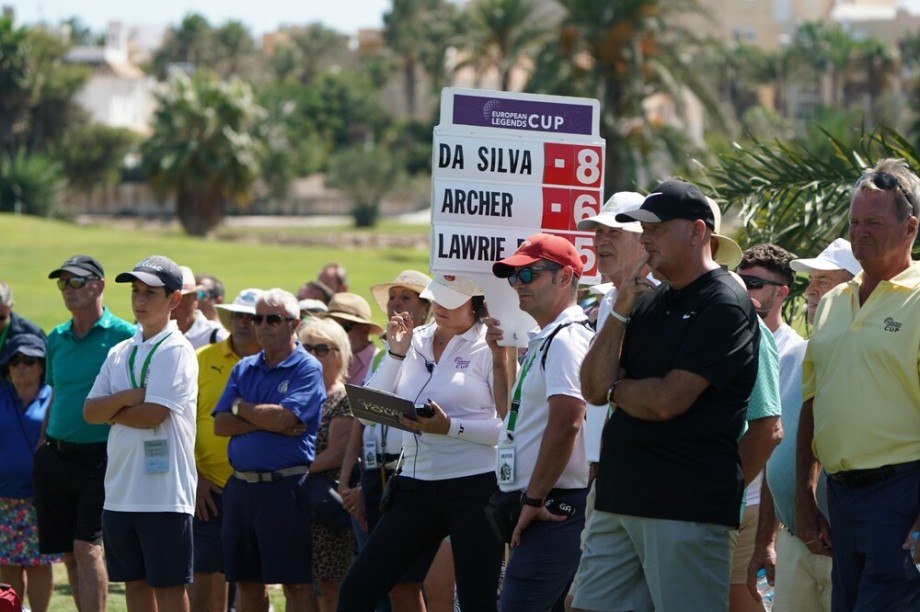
x: 244, y: 302
x: 412, y: 280
x: 351, y: 307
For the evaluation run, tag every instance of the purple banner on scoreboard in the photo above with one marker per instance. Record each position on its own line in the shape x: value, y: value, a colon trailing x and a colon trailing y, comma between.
x: 528, y: 115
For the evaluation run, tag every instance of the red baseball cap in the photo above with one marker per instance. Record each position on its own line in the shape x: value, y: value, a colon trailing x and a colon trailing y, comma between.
x: 540, y: 246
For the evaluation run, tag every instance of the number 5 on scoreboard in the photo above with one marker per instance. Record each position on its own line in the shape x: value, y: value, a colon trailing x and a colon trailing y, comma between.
x: 585, y: 247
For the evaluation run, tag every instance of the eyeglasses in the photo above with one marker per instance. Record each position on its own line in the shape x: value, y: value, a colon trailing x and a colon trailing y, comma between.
x: 346, y: 325
x: 240, y: 316
x: 755, y: 282
x: 4, y: 317
x: 74, y: 282
x: 320, y: 350
x: 526, y: 275
x: 886, y: 182
x: 271, y: 319
x: 24, y: 360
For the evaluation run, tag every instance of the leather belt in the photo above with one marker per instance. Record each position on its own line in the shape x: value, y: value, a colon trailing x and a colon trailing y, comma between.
x: 274, y: 476
x: 70, y: 447
x: 861, y: 478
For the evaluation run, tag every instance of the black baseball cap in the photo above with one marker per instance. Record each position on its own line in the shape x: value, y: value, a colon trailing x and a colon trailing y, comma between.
x: 155, y: 271
x: 672, y: 200
x: 80, y: 265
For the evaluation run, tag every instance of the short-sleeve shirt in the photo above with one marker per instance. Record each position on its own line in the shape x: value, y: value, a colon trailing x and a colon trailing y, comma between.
x: 560, y: 375
x: 132, y: 483
x: 687, y: 468
x: 20, y: 428
x: 71, y: 367
x: 215, y: 362
x: 296, y: 384
x: 204, y: 331
x: 861, y: 369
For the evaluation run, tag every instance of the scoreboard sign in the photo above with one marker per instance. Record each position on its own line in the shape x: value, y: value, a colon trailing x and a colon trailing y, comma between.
x: 508, y: 165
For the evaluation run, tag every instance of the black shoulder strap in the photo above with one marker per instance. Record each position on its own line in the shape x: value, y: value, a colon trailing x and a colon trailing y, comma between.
x: 214, y: 335
x: 544, y: 348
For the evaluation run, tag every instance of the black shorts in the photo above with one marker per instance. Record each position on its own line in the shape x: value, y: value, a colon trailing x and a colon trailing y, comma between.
x: 69, y: 494
x: 152, y: 546
x: 209, y: 552
x: 267, y: 532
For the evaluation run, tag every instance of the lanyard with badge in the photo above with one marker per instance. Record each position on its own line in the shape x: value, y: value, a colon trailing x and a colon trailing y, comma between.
x: 156, y: 452
x: 505, y: 468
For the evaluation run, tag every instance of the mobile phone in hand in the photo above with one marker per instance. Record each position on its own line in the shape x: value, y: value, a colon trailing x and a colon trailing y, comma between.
x: 424, y: 410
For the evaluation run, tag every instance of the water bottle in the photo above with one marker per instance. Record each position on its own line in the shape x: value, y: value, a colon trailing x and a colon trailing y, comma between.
x: 765, y: 590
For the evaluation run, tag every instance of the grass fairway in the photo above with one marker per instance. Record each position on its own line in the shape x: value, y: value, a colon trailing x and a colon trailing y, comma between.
x: 31, y: 247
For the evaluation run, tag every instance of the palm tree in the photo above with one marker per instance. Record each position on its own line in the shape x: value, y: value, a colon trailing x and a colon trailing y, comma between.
x: 622, y: 53
x: 234, y: 46
x: 797, y: 194
x: 502, y: 34
x: 419, y: 32
x: 205, y: 147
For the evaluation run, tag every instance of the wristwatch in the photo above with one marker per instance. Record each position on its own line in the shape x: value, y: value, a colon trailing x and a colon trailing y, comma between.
x: 235, y: 406
x: 530, y: 501
x: 612, y: 390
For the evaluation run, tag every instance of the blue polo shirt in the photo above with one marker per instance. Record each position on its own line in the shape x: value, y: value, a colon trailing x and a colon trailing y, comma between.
x: 295, y: 384
x: 71, y: 369
x: 19, y: 432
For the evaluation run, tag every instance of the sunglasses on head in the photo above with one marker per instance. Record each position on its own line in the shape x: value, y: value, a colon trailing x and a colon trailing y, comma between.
x: 74, y: 282
x: 320, y: 350
x: 755, y: 282
x: 886, y: 182
x: 526, y: 275
x: 271, y: 319
x: 24, y: 360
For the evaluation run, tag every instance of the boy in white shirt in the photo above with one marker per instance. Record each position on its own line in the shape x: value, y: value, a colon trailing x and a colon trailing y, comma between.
x: 147, y: 390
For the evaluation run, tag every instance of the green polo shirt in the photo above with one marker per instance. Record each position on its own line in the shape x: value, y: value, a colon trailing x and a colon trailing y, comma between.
x: 71, y: 368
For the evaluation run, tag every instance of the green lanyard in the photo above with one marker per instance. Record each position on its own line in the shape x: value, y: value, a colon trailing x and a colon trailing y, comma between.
x: 6, y: 330
x: 516, y: 400
x: 146, y: 362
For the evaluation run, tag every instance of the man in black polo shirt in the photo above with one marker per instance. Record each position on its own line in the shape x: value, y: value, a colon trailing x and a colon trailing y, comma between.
x: 677, y: 363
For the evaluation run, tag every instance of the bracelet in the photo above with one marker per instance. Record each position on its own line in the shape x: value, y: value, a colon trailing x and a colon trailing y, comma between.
x: 396, y: 355
x: 619, y: 317
x: 613, y: 389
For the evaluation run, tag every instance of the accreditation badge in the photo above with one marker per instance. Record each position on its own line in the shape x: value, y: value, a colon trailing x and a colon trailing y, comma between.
x: 156, y: 456
x: 370, y: 454
x: 505, y: 466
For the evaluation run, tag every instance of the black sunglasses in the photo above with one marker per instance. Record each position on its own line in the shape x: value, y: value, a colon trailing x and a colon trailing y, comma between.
x: 755, y: 282
x: 271, y: 319
x: 74, y: 282
x: 23, y: 359
x: 320, y: 350
x: 526, y: 275
x: 886, y: 182
x: 346, y: 325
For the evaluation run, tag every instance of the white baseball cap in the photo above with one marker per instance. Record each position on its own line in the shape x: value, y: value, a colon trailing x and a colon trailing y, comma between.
x: 620, y: 202
x: 837, y: 256
x: 450, y: 291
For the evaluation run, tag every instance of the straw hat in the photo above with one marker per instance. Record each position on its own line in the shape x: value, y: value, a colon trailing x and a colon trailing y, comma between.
x: 351, y: 307
x: 409, y: 279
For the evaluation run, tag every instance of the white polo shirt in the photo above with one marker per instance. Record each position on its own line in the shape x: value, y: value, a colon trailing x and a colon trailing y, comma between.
x: 461, y: 384
x: 153, y: 470
x: 560, y: 376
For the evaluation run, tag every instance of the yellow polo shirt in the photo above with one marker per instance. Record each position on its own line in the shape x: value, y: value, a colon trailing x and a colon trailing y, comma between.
x: 862, y: 368
x: 214, y: 364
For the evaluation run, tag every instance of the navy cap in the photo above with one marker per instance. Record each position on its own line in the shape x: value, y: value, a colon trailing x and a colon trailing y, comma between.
x: 30, y: 345
x: 155, y: 271
x: 80, y: 265
x: 672, y: 200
